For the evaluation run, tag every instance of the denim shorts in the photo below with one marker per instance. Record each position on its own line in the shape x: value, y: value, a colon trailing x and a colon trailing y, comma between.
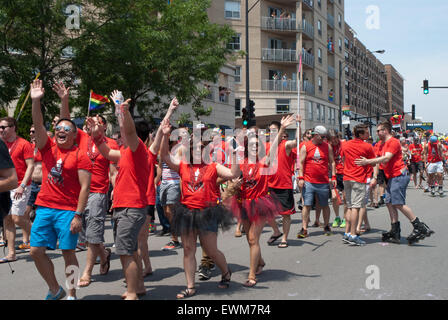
x: 310, y: 190
x: 51, y: 225
x: 396, y: 189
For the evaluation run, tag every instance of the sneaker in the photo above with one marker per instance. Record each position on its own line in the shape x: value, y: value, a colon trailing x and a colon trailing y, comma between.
x: 426, y: 189
x: 24, y: 246
x: 327, y: 231
x: 440, y: 191
x: 302, y: 234
x: 71, y: 298
x: 342, y: 225
x: 336, y: 222
x: 345, y: 238
x: 172, y: 245
x: 58, y: 296
x: 433, y: 191
x: 204, y: 273
x: 81, y: 246
x: 356, y: 241
x: 163, y: 233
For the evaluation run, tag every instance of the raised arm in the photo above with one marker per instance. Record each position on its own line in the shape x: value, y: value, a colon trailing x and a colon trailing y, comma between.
x: 97, y: 131
x: 165, y: 155
x: 284, y: 123
x: 37, y: 93
x: 291, y: 144
x: 63, y: 94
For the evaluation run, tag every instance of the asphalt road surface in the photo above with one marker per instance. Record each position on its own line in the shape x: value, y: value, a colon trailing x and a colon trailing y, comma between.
x: 318, y: 267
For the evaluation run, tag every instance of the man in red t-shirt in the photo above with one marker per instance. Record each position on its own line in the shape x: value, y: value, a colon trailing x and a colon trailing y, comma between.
x: 416, y: 150
x: 316, y: 158
x: 355, y: 179
x: 396, y: 172
x: 62, y: 198
x: 433, y: 154
x: 22, y: 156
x: 131, y: 195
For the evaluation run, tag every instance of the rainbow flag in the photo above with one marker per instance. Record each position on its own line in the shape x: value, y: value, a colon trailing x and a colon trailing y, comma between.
x: 97, y: 101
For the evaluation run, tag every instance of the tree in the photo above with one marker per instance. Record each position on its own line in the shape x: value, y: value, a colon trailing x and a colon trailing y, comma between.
x: 150, y: 50
x: 32, y: 39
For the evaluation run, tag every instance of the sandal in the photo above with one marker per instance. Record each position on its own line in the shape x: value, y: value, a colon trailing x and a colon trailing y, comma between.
x: 283, y: 245
x: 106, y: 266
x: 273, y: 238
x: 82, y: 283
x: 225, y: 282
x: 189, y: 292
x: 250, y: 283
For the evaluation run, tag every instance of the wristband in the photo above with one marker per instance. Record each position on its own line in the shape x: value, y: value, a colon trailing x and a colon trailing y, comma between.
x: 78, y: 214
x: 23, y: 185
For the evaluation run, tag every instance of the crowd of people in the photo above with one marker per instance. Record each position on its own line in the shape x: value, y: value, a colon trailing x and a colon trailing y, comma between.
x: 60, y: 184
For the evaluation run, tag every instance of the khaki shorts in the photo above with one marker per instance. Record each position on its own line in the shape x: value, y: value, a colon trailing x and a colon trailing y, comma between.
x: 355, y: 193
x: 128, y: 222
x: 18, y: 206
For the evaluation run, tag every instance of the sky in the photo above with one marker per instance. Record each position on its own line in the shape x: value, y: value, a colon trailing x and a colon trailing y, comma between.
x: 414, y: 35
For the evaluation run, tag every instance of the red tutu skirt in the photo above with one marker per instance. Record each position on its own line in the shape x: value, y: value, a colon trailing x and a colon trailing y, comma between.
x: 257, y: 210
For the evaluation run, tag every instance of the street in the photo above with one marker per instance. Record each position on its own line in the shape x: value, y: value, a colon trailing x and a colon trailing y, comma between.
x: 318, y: 267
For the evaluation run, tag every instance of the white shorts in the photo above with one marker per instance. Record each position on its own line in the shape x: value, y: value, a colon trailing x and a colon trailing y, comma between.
x: 436, y: 167
x: 18, y: 206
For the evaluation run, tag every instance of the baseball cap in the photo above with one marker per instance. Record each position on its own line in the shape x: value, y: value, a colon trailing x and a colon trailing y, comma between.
x: 433, y: 139
x: 320, y: 130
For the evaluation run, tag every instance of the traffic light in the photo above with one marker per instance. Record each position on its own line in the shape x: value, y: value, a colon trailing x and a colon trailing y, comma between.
x: 251, y: 110
x: 425, y: 86
x: 244, y: 117
x: 413, y: 112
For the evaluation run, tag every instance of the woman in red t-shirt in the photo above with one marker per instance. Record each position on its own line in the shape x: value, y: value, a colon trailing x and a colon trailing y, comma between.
x: 200, y: 211
x: 256, y: 205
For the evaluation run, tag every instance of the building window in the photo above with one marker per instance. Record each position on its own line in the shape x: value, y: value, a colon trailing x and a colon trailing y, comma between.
x: 319, y: 27
x: 340, y: 20
x: 282, y: 105
x: 238, y: 74
x: 340, y: 45
x: 319, y: 55
x: 309, y: 110
x: 237, y: 107
x: 235, y: 43
x: 319, y: 82
x: 319, y: 3
x: 232, y: 9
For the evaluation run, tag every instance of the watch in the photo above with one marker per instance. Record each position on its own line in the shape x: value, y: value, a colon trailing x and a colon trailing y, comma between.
x: 23, y: 185
x: 79, y: 214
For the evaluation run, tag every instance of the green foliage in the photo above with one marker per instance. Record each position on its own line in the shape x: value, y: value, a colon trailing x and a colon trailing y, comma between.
x: 25, y: 120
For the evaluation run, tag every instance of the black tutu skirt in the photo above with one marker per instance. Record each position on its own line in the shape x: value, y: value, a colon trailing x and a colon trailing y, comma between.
x: 209, y: 219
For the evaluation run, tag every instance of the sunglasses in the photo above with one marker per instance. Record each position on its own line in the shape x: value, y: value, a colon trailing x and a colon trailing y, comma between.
x: 32, y: 131
x: 65, y: 128
x: 4, y: 127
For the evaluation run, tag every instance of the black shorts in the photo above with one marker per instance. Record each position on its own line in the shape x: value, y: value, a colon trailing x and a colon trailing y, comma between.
x: 286, y: 198
x: 381, y: 177
x: 150, y: 211
x: 415, y: 167
x: 340, y: 182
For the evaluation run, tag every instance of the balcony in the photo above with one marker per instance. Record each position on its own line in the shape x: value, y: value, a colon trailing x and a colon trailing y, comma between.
x: 307, y: 29
x: 279, y: 85
x: 330, y: 20
x: 279, y: 24
x: 331, y: 72
x: 308, y: 88
x: 279, y: 55
x: 307, y: 59
x: 309, y: 4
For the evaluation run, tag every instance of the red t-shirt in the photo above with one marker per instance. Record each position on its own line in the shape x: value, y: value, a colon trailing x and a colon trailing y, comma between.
x: 255, y: 184
x: 37, y: 154
x: 20, y: 150
x: 315, y: 169
x: 352, y: 150
x: 60, y: 182
x: 433, y: 153
x: 151, y: 191
x: 281, y: 178
x: 416, y: 152
x: 132, y: 178
x: 395, y: 165
x: 338, y: 158
x: 199, y: 187
x: 100, y: 166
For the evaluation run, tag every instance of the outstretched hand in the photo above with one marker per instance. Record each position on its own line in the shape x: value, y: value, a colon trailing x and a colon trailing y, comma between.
x: 96, y: 127
x: 166, y: 127
x: 174, y: 104
x: 37, y: 90
x: 287, y: 121
x: 61, y: 90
